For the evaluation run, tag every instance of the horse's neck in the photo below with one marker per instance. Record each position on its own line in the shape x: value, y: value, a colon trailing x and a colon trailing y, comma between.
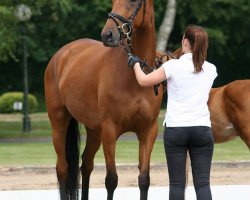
x: 144, y: 44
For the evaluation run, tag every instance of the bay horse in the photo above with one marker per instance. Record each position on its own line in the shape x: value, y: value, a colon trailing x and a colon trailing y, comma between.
x: 90, y: 83
x: 229, y: 106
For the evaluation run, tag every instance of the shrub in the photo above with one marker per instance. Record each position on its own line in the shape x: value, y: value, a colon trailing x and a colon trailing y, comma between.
x: 7, y: 100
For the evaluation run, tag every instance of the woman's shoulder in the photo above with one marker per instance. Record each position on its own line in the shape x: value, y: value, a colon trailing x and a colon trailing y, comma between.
x: 210, y: 68
x: 209, y: 65
x: 172, y: 62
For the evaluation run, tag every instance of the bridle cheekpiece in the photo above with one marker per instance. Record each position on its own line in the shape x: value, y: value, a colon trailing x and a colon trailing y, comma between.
x: 126, y: 28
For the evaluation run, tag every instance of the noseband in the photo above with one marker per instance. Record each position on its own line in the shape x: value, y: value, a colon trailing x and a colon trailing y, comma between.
x: 127, y: 25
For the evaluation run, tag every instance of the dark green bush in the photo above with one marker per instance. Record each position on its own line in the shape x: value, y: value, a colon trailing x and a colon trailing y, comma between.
x: 7, y: 101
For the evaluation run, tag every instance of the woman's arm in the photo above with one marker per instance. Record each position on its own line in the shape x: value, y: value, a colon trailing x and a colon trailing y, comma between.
x: 151, y: 79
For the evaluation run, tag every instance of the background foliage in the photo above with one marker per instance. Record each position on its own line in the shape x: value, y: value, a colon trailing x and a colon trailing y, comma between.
x: 57, y: 22
x: 8, y: 99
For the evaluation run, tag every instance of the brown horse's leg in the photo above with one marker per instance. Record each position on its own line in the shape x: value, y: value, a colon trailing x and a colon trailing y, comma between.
x: 93, y: 143
x: 146, y: 143
x: 243, y: 127
x: 245, y: 136
x: 60, y: 120
x: 59, y: 141
x: 109, y: 144
x: 66, y: 140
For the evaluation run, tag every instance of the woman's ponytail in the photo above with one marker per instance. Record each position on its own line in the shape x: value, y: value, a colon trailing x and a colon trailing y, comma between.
x: 198, y: 40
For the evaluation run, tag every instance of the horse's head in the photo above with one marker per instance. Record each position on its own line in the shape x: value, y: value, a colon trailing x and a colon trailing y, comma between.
x: 126, y: 16
x: 162, y: 57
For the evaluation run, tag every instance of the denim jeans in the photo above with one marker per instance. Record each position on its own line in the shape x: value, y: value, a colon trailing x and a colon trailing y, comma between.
x: 199, y: 142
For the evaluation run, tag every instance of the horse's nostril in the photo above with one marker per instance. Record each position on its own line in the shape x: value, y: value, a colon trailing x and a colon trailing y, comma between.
x: 109, y: 38
x: 109, y: 35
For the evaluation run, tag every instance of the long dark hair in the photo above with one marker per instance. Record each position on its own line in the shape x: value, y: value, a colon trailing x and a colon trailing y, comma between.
x: 198, y: 40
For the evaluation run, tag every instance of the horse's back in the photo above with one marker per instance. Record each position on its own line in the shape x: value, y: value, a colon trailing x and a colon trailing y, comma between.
x: 85, y: 48
x: 239, y: 92
x: 230, y: 110
x: 236, y: 92
x: 69, y: 52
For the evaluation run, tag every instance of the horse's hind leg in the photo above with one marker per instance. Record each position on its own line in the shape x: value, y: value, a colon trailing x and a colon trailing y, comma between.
x: 93, y: 143
x: 59, y: 118
x: 146, y: 143
x: 59, y: 141
x: 60, y: 121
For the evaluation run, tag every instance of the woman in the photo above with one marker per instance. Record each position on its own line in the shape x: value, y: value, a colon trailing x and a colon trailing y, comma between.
x: 187, y: 120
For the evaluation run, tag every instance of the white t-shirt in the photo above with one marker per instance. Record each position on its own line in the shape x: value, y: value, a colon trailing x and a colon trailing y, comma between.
x: 188, y: 92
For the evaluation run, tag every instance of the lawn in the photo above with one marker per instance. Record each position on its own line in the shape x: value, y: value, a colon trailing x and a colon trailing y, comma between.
x: 29, y: 149
x: 11, y: 126
x: 42, y: 153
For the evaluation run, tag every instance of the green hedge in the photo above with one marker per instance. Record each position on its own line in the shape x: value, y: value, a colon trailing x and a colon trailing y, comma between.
x: 7, y: 100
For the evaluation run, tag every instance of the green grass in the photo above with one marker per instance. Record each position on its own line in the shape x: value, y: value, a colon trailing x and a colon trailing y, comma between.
x: 26, y: 154
x: 234, y: 150
x: 14, y: 129
x: 11, y: 125
x: 42, y: 153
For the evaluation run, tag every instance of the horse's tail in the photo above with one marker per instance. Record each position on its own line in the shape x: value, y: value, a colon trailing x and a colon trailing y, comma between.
x: 72, y: 156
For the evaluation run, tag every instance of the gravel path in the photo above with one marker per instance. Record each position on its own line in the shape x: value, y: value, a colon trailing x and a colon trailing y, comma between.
x: 16, y: 178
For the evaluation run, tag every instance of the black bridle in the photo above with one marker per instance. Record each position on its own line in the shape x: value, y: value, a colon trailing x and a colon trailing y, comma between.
x: 126, y: 29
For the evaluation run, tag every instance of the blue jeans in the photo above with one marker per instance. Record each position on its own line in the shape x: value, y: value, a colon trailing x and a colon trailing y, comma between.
x: 198, y: 140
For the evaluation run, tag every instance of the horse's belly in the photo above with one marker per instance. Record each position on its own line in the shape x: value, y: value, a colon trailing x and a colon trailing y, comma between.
x: 84, y: 114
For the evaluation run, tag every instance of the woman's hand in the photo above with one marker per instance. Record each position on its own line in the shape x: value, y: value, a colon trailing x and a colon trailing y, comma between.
x: 132, y: 59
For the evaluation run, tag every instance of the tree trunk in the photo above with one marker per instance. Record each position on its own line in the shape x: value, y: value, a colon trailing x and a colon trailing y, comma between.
x: 167, y: 25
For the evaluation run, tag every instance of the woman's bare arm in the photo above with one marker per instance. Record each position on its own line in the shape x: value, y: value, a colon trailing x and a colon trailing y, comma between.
x: 151, y: 79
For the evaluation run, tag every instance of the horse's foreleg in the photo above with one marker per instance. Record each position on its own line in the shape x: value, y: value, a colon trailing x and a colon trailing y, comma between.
x: 109, y: 143
x: 93, y: 143
x: 146, y: 143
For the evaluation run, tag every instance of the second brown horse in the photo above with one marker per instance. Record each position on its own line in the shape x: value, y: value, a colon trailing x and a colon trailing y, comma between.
x: 229, y: 106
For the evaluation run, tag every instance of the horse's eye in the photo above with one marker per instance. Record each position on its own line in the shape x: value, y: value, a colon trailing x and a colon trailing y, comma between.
x: 132, y: 1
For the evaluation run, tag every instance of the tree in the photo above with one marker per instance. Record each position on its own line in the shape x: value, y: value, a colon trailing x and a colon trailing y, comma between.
x: 53, y: 24
x: 166, y: 25
x: 9, y: 26
x: 227, y: 26
x: 57, y: 22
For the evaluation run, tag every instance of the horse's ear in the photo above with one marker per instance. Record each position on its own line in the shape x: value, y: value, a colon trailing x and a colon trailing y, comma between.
x: 158, y: 57
x: 159, y: 54
x: 178, y: 53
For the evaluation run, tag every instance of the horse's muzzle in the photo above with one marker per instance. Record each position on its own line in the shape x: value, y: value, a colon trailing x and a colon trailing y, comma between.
x: 109, y: 39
